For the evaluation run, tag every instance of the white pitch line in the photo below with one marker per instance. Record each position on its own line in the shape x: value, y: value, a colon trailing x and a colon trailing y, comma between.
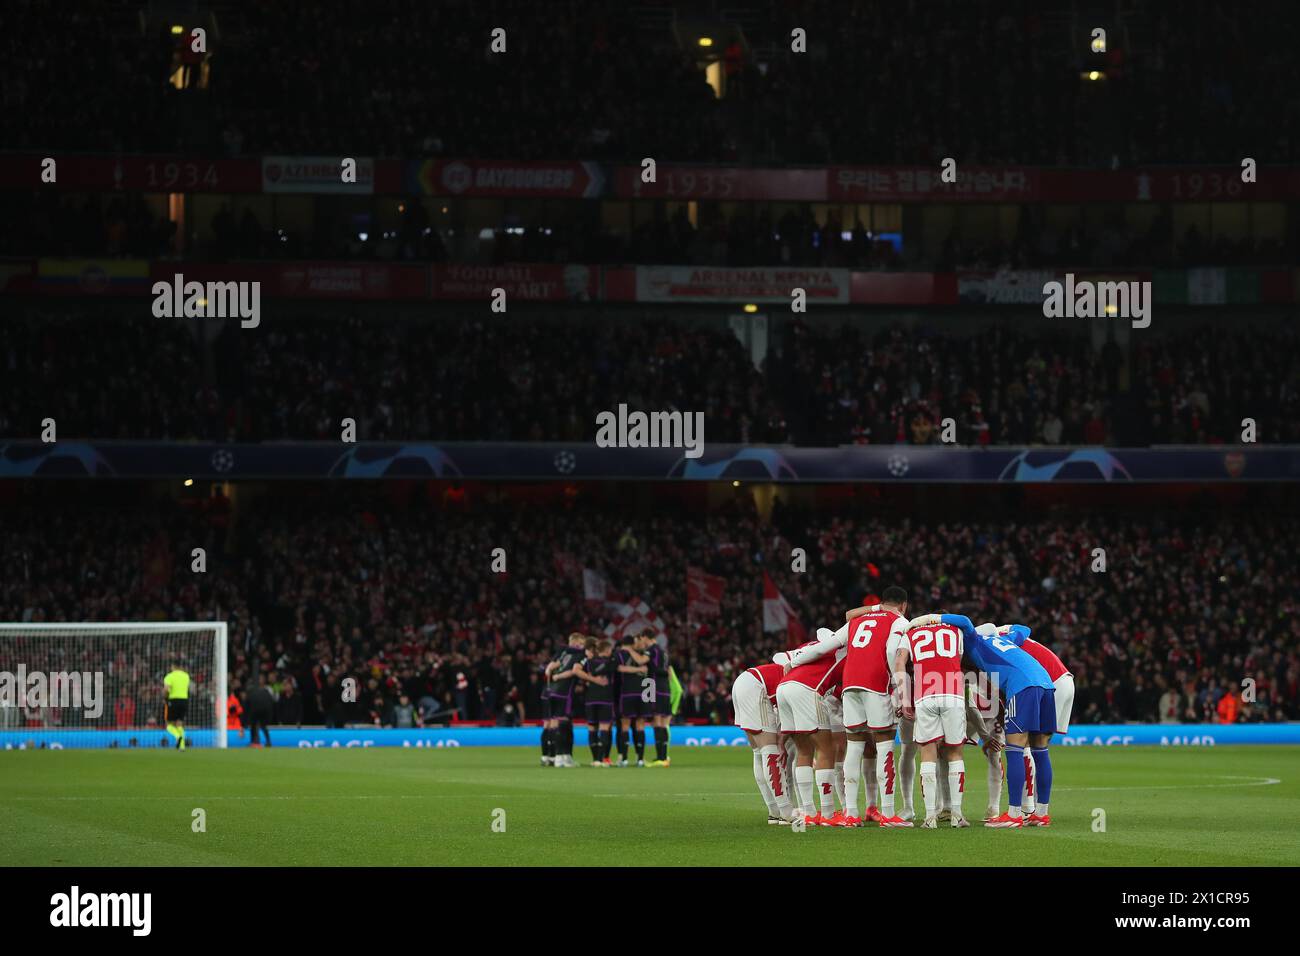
x: 1259, y: 782
x: 292, y: 796
x: 698, y: 793
x: 356, y: 796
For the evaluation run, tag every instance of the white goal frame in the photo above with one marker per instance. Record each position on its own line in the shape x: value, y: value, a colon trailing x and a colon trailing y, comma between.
x: 221, y: 691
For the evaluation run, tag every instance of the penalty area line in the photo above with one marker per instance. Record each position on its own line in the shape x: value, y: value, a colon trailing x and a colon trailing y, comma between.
x: 287, y: 796
x: 1258, y: 782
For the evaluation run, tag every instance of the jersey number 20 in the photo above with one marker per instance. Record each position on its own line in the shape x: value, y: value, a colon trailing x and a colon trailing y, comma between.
x: 946, y: 641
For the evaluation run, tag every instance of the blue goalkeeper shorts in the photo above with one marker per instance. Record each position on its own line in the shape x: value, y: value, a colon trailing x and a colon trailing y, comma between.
x: 1032, y: 711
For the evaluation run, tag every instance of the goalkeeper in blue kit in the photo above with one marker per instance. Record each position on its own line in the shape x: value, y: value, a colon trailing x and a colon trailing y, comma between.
x: 1030, y: 713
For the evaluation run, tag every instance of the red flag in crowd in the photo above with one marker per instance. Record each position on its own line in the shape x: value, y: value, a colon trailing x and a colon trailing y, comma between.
x: 566, y: 564
x: 778, y: 615
x: 703, y: 593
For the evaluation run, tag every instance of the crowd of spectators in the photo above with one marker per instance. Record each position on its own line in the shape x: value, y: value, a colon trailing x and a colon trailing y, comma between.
x: 920, y: 81
x: 396, y: 590
x: 545, y: 376
x: 1189, y: 605
x: 481, y: 380
x: 1010, y: 385
x: 929, y: 79
x: 102, y: 378
x: 405, y: 79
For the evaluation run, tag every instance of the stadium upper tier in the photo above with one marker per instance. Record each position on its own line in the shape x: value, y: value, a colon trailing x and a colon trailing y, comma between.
x: 911, y: 82
x: 543, y: 375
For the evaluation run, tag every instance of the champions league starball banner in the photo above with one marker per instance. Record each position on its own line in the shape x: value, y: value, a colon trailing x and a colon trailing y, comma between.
x: 585, y: 461
x: 685, y: 735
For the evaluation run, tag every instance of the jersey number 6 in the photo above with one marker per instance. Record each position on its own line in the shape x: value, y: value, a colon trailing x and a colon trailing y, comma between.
x: 863, y: 633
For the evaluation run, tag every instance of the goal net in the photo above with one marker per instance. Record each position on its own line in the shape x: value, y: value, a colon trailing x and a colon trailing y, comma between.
x: 101, y: 685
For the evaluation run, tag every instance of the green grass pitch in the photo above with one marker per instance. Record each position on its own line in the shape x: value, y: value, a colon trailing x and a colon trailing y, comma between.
x: 1221, y: 806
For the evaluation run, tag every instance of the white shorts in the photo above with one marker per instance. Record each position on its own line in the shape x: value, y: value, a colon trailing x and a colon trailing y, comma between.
x: 1064, y: 701
x: 754, y: 711
x: 834, y: 714
x: 801, y: 709
x: 868, y: 710
x: 941, y: 718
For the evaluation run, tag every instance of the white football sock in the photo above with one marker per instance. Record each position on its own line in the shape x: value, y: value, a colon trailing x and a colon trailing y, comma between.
x: 803, y: 778
x: 839, y: 784
x: 929, y: 788
x: 907, y: 776
x: 994, y: 775
x: 956, y: 785
x: 787, y: 767
x: 764, y: 785
x: 826, y: 791
x: 853, y: 775
x: 872, y: 785
x: 885, y: 777
x: 1028, y: 799
x: 773, y: 766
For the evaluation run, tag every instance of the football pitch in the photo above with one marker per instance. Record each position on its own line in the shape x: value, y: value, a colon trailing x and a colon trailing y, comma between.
x: 1221, y: 806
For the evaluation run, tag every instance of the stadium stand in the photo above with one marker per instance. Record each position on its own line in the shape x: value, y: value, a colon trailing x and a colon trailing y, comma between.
x: 923, y: 80
x: 540, y: 377
x: 322, y: 583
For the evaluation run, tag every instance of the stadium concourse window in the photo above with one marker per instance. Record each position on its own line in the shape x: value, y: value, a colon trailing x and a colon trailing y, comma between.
x: 860, y: 236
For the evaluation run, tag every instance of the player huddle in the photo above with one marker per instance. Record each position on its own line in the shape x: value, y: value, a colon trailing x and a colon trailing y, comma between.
x: 822, y: 719
x: 623, y: 689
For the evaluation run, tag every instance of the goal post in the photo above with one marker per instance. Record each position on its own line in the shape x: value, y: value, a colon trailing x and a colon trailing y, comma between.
x: 100, y: 685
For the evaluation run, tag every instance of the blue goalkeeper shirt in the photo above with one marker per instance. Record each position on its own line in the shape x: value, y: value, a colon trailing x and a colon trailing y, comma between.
x: 1016, y: 634
x: 999, y: 655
